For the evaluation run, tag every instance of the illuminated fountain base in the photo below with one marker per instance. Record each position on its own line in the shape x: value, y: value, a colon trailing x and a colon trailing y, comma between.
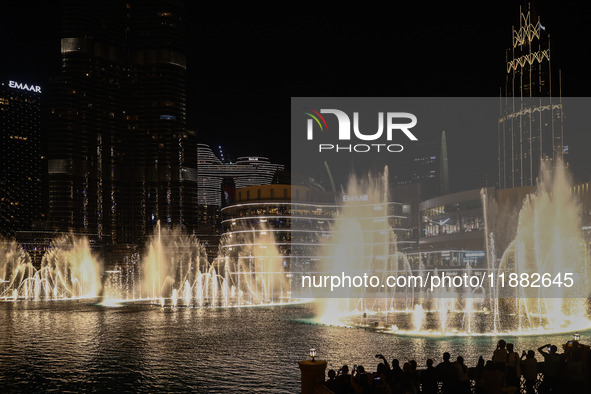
x: 479, y: 323
x: 175, y: 272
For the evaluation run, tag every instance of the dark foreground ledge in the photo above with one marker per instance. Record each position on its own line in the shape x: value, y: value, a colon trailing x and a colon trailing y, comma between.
x: 313, y: 378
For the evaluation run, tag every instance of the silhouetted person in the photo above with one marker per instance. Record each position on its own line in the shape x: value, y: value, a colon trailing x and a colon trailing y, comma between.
x: 380, y: 384
x: 331, y: 382
x: 343, y: 382
x: 499, y: 357
x: 529, y: 369
x: 463, y: 380
x: 478, y: 376
x: 429, y: 379
x: 396, y: 373
x: 415, y: 375
x: 492, y: 379
x: 446, y: 373
x: 407, y: 380
x: 361, y: 381
x: 384, y: 361
x: 552, y: 369
x: 386, y: 368
x: 513, y: 367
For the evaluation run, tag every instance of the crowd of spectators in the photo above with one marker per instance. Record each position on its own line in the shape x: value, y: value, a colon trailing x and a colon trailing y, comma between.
x: 506, y: 372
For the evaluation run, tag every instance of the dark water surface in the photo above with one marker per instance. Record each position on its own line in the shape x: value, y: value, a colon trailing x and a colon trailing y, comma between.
x: 74, y: 346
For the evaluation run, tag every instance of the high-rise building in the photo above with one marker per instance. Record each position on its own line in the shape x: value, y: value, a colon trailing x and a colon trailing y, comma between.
x: 425, y: 164
x: 531, y: 119
x: 22, y: 159
x: 120, y: 156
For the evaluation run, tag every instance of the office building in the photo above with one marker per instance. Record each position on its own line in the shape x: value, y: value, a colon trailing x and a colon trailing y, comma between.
x: 120, y: 156
x: 22, y: 157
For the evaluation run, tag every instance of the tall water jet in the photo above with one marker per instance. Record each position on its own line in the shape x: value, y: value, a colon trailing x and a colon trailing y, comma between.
x: 546, y: 240
x: 176, y: 271
x: 68, y: 270
x: 364, y: 241
x: 172, y: 265
x: 254, y: 268
x: 549, y: 242
x: 15, y: 267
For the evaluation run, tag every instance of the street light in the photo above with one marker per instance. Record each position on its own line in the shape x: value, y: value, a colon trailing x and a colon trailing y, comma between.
x: 313, y: 354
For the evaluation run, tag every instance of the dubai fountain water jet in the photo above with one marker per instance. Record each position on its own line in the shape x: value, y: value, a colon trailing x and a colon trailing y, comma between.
x: 68, y: 270
x: 176, y: 271
x: 548, y: 240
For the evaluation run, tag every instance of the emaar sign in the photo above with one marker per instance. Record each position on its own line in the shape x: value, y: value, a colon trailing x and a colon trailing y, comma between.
x: 24, y: 86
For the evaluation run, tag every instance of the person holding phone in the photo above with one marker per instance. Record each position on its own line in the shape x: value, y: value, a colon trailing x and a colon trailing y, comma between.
x: 343, y: 381
x: 552, y: 368
x: 379, y: 382
x: 384, y: 361
x: 360, y: 380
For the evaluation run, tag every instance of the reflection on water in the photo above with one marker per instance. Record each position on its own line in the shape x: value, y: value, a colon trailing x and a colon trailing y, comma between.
x: 69, y: 345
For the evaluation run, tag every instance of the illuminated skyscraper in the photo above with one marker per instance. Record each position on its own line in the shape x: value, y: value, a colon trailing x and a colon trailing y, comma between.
x: 121, y: 158
x: 531, y: 119
x: 22, y: 161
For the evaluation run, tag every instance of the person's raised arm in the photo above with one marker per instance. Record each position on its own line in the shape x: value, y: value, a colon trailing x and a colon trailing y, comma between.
x: 356, y: 386
x: 541, y: 349
x: 381, y: 357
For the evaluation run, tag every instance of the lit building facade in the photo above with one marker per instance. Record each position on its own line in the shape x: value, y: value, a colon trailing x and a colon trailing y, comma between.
x: 301, y: 221
x: 218, y: 180
x: 530, y: 125
x: 22, y: 158
x: 452, y: 231
x: 453, y: 227
x: 582, y: 194
x: 120, y: 157
x: 217, y: 184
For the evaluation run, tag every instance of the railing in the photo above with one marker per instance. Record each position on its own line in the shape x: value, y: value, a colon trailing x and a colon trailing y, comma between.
x: 311, y: 371
x: 473, y: 372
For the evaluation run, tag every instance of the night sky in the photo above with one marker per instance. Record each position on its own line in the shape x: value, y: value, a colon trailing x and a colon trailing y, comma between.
x: 243, y: 65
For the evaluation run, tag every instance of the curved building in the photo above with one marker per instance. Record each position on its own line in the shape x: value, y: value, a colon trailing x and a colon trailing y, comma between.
x: 217, y: 179
x: 300, y: 220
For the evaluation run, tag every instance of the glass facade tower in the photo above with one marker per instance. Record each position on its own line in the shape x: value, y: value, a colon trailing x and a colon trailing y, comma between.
x: 120, y: 156
x: 22, y: 158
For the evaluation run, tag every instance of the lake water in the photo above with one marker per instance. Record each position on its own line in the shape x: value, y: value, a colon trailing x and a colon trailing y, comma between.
x: 77, y: 345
